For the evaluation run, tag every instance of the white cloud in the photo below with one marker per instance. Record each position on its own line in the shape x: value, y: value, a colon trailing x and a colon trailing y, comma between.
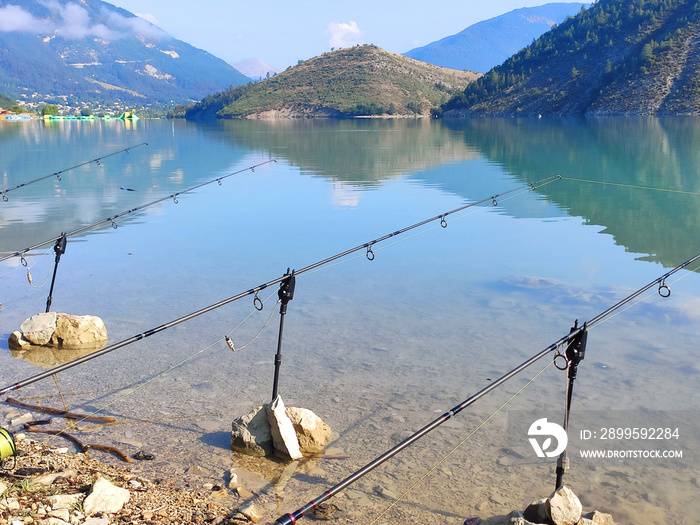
x: 149, y: 17
x: 14, y: 18
x: 344, y: 34
x: 138, y: 25
x: 76, y: 23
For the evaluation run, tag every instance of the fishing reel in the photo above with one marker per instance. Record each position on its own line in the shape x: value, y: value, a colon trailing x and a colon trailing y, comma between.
x: 7, y: 448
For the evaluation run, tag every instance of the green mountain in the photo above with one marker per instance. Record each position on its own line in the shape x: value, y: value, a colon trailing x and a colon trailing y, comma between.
x: 93, y: 51
x: 358, y: 81
x: 619, y: 57
x: 487, y: 44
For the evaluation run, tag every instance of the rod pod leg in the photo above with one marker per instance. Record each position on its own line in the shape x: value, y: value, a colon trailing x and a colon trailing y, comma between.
x: 285, y: 294
x: 575, y: 352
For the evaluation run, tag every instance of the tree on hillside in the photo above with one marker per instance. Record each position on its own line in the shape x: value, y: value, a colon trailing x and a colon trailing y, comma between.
x: 6, y: 102
x: 49, y: 109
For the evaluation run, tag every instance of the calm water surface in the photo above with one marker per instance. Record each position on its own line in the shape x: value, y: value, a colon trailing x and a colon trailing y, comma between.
x: 376, y: 348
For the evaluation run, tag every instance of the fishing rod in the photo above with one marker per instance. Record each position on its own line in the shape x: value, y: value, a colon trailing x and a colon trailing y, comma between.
x: 111, y: 219
x: 58, y: 173
x: 568, y: 339
x: 255, y: 290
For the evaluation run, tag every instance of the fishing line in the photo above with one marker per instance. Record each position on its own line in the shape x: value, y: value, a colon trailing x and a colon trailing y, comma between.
x: 113, y: 218
x: 168, y: 370
x: 481, y: 425
x: 256, y: 290
x: 57, y: 174
x: 291, y: 518
x: 633, y: 186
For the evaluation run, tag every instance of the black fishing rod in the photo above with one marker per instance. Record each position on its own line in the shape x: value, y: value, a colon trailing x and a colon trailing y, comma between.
x: 570, y: 339
x: 58, y: 173
x: 127, y: 212
x: 254, y: 291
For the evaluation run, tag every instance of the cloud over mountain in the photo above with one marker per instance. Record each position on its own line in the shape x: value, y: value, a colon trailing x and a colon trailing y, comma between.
x: 74, y: 23
x: 344, y: 34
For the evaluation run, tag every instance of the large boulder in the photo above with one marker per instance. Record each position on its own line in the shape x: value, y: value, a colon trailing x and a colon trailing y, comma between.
x: 39, y: 328
x: 78, y: 330
x: 313, y: 434
x: 251, y: 434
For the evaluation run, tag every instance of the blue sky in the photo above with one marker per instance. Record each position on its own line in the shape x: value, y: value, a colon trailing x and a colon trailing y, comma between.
x: 283, y: 32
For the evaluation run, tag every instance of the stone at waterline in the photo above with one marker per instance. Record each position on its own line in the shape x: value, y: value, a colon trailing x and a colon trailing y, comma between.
x: 313, y: 434
x: 78, y: 330
x: 17, y: 341
x: 536, y: 512
x: 251, y: 434
x: 284, y: 438
x: 39, y: 328
x: 564, y: 507
x: 598, y: 518
x: 59, y: 330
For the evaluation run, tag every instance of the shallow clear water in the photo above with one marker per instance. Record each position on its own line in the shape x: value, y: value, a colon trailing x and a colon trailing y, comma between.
x: 376, y: 348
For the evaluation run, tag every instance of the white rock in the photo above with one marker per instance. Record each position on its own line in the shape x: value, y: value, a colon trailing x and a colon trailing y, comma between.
x: 313, y: 434
x: 563, y: 507
x: 284, y: 436
x: 3, y: 487
x: 105, y: 498
x: 39, y: 328
x: 12, y: 503
x: 78, y: 330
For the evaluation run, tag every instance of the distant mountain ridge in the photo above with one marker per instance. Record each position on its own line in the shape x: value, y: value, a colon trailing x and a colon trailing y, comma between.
x: 94, y: 51
x: 487, y: 44
x: 619, y: 57
x: 358, y: 81
x: 255, y: 68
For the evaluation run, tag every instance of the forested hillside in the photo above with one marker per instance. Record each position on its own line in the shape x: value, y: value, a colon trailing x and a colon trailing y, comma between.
x: 619, y: 57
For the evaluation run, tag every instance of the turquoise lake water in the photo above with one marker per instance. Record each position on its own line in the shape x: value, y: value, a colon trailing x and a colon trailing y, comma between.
x: 376, y: 348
